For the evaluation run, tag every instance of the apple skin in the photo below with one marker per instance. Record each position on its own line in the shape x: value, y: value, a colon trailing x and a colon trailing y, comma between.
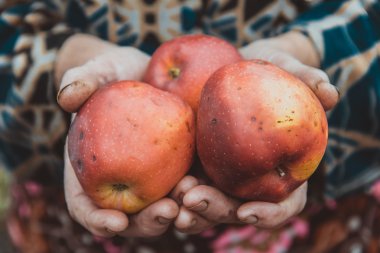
x: 130, y: 144
x: 183, y: 65
x: 261, y: 132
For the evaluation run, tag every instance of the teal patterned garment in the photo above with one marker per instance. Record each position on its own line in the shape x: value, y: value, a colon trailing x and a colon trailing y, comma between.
x: 346, y: 34
x: 347, y: 37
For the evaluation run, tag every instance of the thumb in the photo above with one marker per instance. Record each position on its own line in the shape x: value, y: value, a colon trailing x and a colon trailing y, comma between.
x: 79, y: 83
x: 316, y: 79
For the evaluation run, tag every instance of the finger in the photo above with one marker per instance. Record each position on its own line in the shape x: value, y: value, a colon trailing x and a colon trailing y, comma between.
x: 191, y: 223
x: 100, y: 222
x: 153, y: 220
x: 211, y: 204
x: 79, y: 83
x: 316, y: 79
x: 186, y: 183
x: 271, y: 215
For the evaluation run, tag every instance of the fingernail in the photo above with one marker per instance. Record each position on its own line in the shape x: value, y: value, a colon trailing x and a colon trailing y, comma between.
x: 61, y: 90
x: 201, y: 206
x: 110, y: 231
x: 251, y: 219
x: 337, y: 90
x: 163, y: 220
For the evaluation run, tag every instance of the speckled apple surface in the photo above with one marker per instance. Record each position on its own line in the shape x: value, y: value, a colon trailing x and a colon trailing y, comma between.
x: 130, y: 144
x: 261, y: 132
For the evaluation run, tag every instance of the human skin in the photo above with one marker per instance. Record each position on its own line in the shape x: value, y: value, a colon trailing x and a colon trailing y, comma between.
x: 198, y: 206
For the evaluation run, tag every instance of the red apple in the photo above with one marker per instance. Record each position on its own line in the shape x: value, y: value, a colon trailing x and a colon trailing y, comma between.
x: 183, y: 65
x: 130, y: 144
x: 261, y: 132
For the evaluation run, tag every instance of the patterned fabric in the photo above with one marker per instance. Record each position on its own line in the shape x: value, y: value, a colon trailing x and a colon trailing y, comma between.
x: 33, y: 127
x: 348, y: 43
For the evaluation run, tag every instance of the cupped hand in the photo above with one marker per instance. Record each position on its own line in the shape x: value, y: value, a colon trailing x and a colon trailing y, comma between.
x: 204, y: 206
x: 103, y: 63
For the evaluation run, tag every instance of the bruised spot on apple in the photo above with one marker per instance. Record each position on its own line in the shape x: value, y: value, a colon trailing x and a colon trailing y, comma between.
x: 174, y: 72
x: 183, y: 65
x: 130, y: 144
x: 261, y: 132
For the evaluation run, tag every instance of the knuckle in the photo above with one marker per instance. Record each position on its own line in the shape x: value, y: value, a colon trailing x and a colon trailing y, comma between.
x: 225, y: 215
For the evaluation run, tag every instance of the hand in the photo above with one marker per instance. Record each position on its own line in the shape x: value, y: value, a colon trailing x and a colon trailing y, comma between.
x: 295, y: 53
x: 204, y: 206
x: 79, y: 77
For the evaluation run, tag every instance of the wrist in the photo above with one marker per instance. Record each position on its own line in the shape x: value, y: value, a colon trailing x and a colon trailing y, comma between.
x: 76, y: 51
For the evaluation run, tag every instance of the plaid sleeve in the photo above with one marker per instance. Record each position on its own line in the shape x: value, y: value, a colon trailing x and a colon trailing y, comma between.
x: 346, y: 35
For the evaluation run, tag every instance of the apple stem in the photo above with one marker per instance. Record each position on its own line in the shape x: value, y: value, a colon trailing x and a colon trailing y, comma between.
x: 280, y: 171
x: 174, y: 72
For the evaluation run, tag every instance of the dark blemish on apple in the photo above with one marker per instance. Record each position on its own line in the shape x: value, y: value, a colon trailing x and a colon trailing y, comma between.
x: 253, y: 119
x: 239, y: 88
x: 214, y: 121
x: 169, y: 124
x: 279, y: 121
x: 119, y: 187
x: 260, y: 128
x: 293, y: 111
x: 175, y: 148
x: 289, y: 130
x: 261, y: 62
x: 174, y: 72
x: 81, y: 135
x: 290, y: 119
x: 93, y: 158
x: 315, y: 123
x: 188, y: 126
x: 190, y: 146
x: 156, y: 141
x: 80, y: 165
x: 130, y: 122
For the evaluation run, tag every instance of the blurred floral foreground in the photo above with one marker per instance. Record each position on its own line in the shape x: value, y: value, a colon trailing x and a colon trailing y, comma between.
x: 34, y: 219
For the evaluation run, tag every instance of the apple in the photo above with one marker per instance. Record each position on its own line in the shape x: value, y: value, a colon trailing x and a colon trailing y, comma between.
x: 261, y: 132
x: 183, y: 65
x: 130, y: 144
